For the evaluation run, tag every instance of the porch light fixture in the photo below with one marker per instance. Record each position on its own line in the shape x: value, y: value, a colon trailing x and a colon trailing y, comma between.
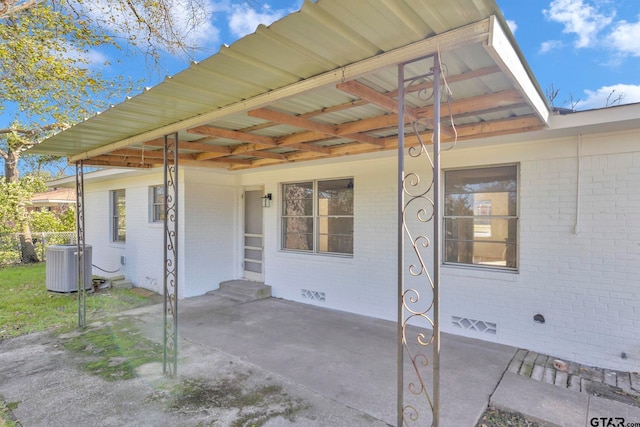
x: 266, y: 200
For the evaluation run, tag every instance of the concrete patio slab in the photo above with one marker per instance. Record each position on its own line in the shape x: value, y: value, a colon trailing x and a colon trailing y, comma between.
x: 338, y: 369
x: 339, y: 355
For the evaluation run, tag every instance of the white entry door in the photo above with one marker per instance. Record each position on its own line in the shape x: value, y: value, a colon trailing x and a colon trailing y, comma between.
x: 253, y: 246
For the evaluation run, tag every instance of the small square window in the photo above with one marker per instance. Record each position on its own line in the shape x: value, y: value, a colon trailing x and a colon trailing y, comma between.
x: 118, y: 216
x: 156, y: 203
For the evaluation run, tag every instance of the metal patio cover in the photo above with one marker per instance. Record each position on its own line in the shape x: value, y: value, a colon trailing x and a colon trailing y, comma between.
x: 321, y: 83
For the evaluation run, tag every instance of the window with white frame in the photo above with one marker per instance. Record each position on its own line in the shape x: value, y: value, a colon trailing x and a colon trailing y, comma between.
x: 156, y: 203
x: 481, y: 216
x: 118, y: 216
x: 317, y: 216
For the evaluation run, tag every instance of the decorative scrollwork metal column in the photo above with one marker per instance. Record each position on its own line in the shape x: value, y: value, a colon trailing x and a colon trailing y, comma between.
x: 170, y: 322
x: 418, y: 209
x: 80, y: 242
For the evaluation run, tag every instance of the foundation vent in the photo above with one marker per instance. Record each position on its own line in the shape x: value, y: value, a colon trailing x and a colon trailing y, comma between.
x: 313, y: 295
x: 474, y: 325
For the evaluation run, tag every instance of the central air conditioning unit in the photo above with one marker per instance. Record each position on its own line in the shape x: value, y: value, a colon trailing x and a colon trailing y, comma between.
x: 62, y: 268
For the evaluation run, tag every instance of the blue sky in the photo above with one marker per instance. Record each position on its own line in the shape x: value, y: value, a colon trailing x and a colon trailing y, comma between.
x: 586, y: 49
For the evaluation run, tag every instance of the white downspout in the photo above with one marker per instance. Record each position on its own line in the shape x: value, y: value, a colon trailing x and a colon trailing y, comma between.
x: 576, y: 227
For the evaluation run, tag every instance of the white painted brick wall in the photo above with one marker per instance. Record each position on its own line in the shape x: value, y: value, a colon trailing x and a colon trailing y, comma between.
x: 364, y: 283
x: 143, y: 249
x: 211, y: 244
x: 587, y: 285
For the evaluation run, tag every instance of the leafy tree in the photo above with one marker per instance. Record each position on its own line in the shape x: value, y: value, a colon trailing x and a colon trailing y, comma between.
x: 48, y: 81
x: 14, y: 196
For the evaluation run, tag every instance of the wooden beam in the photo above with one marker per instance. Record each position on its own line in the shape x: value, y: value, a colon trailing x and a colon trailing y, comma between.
x: 367, y: 125
x: 471, y: 131
x: 140, y: 154
x: 311, y: 148
x: 468, y: 107
x: 301, y: 137
x: 467, y: 75
x: 132, y: 152
x: 196, y: 146
x: 374, y: 97
x: 204, y: 163
x: 503, y: 98
x: 230, y: 161
x: 115, y: 164
x: 379, y: 122
x: 233, y: 134
x: 125, y: 159
x: 477, y: 130
x: 348, y: 149
x: 500, y: 127
x: 245, y: 148
x: 303, y: 155
x: 265, y: 155
x: 385, y: 102
x: 288, y: 119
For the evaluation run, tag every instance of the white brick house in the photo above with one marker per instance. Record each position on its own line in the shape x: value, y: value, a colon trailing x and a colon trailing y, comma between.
x: 556, y: 235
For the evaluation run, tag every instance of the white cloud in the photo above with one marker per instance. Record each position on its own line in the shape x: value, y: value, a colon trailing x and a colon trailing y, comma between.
x: 96, y: 58
x: 89, y: 59
x: 549, y: 45
x: 579, y: 18
x: 244, y: 19
x: 512, y: 25
x: 625, y: 38
x: 607, y: 95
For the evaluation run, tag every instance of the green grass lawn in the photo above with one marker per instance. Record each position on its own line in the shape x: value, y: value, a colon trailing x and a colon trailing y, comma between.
x: 26, y: 306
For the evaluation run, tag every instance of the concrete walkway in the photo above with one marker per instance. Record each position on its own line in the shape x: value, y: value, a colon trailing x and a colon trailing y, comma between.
x: 342, y: 366
x: 557, y: 406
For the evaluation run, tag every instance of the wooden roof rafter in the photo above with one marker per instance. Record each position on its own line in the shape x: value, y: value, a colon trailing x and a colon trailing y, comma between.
x: 310, y: 125
x: 253, y: 149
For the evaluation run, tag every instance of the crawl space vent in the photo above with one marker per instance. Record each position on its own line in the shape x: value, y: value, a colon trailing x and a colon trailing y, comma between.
x: 474, y: 325
x: 313, y: 295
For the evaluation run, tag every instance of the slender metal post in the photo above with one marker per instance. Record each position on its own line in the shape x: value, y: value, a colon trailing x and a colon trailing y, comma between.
x: 400, y: 346
x: 419, y: 300
x: 80, y: 243
x: 436, y: 239
x: 170, y: 282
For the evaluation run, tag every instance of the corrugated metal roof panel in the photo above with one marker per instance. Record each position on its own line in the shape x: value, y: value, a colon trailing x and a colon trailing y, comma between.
x: 316, y: 41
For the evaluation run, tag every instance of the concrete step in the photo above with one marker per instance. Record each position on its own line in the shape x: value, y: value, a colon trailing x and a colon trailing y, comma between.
x: 233, y: 296
x: 121, y: 284
x: 243, y: 290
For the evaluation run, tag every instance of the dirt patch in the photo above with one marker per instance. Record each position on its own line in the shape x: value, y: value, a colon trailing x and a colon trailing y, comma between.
x: 7, y: 419
x: 145, y: 293
x: 496, y: 418
x: 613, y: 393
x: 113, y: 350
x: 234, y: 398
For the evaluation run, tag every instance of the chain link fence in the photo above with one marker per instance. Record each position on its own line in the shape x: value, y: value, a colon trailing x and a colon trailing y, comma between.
x: 10, y: 248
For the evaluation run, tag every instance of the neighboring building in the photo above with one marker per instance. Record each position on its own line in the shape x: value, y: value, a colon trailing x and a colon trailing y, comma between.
x: 541, y: 212
x: 57, y: 200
